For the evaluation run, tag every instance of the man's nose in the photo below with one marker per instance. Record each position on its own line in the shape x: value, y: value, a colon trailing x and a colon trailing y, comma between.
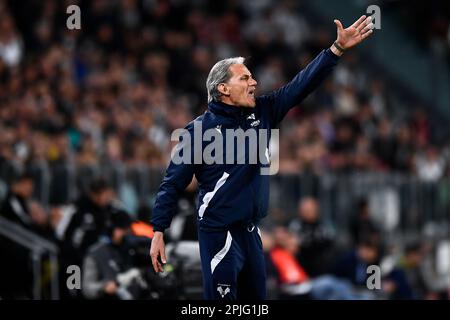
x: 253, y: 82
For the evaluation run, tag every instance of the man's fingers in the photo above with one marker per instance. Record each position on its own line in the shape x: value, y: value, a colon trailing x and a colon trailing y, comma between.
x: 367, y: 28
x: 364, y: 24
x: 338, y: 24
x: 158, y: 250
x: 365, y: 35
x: 359, y: 21
x: 160, y: 267
x: 154, y: 256
x: 163, y: 255
x: 156, y: 265
x: 154, y: 261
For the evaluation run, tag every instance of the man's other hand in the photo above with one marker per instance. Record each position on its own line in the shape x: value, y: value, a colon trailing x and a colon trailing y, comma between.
x: 158, y: 250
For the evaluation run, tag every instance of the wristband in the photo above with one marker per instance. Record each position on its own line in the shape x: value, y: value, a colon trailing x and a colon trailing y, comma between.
x: 337, y: 46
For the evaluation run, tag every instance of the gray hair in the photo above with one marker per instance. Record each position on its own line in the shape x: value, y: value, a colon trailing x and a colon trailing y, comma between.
x: 220, y: 73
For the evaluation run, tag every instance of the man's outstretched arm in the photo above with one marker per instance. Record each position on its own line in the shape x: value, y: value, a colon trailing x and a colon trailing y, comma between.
x: 282, y: 100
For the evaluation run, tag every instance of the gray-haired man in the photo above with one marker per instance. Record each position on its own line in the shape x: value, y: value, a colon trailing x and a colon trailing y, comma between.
x: 234, y: 197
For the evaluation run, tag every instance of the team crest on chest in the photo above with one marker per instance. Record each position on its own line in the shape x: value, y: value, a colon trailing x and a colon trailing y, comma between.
x: 255, y: 122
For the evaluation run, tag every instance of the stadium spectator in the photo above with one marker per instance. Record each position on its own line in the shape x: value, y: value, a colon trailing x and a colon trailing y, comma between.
x: 407, y: 277
x: 83, y: 224
x: 18, y: 207
x: 353, y: 265
x: 91, y: 217
x: 15, y: 270
x: 362, y: 225
x: 292, y: 279
x: 108, y: 270
x: 404, y: 153
x: 384, y: 144
x: 316, y: 240
x: 430, y: 165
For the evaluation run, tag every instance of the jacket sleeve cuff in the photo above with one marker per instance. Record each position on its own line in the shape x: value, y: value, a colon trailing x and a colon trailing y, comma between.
x: 332, y: 55
x: 158, y: 228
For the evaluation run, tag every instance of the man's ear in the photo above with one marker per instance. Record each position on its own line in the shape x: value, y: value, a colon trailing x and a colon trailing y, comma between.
x: 223, y: 89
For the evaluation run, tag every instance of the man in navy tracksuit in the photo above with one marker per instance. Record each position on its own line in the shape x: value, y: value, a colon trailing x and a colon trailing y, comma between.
x: 233, y: 196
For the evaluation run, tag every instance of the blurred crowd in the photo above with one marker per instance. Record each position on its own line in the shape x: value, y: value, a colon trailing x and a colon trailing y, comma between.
x: 111, y: 93
x: 305, y: 257
x: 307, y: 260
x: 429, y: 21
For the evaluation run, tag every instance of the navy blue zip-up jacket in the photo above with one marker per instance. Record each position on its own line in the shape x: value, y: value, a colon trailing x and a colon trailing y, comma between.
x: 232, y: 194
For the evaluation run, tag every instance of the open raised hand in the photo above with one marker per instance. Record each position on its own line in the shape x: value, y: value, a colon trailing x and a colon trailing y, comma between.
x: 356, y: 33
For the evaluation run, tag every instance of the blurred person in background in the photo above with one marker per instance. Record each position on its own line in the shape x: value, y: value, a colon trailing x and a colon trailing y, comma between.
x: 15, y: 206
x: 430, y: 165
x: 19, y: 208
x: 108, y: 269
x: 15, y: 268
x: 383, y: 144
x: 282, y: 263
x: 90, y: 218
x: 11, y: 45
x: 81, y: 224
x: 342, y: 147
x: 353, y: 265
x: 292, y: 279
x: 404, y: 156
x: 317, y: 242
x: 362, y: 225
x: 407, y: 280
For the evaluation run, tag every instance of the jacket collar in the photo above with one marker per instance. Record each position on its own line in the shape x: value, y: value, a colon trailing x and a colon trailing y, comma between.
x: 218, y: 107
